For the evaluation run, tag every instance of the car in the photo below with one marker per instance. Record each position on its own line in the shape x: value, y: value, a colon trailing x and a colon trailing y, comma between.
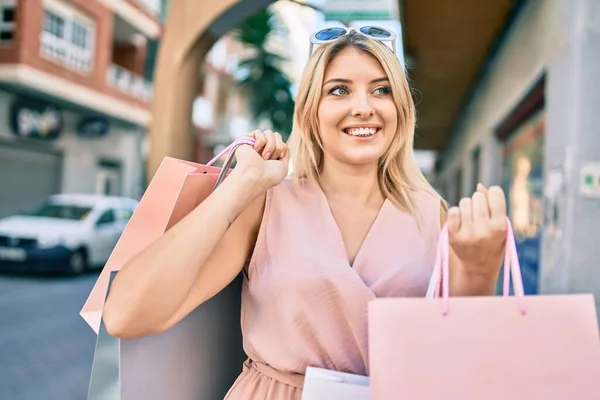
x: 67, y: 233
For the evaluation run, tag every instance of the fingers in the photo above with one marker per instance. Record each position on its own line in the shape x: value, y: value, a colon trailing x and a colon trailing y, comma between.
x: 477, y: 229
x: 481, y: 211
x: 476, y: 215
x: 497, y: 204
x: 279, y: 147
x: 482, y: 189
x: 453, y: 220
x: 260, y: 140
x: 269, y: 144
x: 471, y: 214
x: 466, y: 215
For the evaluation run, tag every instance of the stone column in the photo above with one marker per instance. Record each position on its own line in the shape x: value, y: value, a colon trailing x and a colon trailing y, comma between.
x: 190, y: 30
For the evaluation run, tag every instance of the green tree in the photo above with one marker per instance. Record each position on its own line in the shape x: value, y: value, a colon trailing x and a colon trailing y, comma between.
x: 267, y: 87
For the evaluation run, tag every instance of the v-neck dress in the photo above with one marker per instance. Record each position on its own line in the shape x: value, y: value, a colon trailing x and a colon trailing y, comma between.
x: 304, y: 305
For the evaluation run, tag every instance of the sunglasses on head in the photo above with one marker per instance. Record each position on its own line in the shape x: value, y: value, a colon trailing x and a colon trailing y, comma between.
x: 330, y: 34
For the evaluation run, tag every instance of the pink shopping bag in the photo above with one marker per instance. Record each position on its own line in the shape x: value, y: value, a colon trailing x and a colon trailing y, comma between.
x: 200, y: 357
x: 490, y: 347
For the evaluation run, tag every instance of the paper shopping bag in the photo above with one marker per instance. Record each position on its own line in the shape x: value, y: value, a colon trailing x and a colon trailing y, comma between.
x: 322, y: 384
x: 511, y: 347
x: 201, y: 356
x: 104, y: 380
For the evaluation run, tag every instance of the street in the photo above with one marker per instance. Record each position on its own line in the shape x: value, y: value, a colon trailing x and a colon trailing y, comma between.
x: 46, y: 348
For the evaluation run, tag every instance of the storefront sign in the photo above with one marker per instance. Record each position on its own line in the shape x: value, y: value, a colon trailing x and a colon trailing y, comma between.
x: 590, y: 180
x: 35, y: 119
x: 93, y: 127
x: 359, y: 10
x: 554, y: 193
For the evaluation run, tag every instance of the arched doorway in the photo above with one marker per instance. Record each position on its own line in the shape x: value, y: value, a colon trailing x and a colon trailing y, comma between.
x: 190, y: 30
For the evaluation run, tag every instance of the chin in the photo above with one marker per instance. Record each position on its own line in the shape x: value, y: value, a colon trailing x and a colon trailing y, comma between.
x: 363, y: 157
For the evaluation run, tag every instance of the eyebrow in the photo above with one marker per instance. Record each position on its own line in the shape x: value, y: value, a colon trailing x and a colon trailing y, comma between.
x: 340, y: 80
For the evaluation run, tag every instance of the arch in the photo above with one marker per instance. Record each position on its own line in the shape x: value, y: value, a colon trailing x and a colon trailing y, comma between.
x: 190, y: 30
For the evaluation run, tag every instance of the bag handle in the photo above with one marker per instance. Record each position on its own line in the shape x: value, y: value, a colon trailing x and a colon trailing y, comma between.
x: 230, y: 151
x: 512, y: 268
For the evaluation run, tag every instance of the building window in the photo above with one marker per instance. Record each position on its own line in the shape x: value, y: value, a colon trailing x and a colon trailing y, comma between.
x: 7, y: 20
x: 67, y: 37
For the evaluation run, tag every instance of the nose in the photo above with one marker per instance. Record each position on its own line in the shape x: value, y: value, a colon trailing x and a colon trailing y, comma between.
x: 362, y: 108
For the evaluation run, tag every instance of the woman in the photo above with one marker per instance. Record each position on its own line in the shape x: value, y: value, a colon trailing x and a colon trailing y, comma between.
x: 356, y: 221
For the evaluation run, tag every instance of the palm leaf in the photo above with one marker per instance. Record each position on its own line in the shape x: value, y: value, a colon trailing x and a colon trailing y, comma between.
x: 266, y: 85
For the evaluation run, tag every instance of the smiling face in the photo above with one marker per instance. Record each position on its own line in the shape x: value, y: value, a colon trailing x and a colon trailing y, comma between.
x: 357, y: 115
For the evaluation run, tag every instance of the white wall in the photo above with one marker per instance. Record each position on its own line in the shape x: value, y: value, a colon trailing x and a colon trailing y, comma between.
x: 528, y: 48
x: 81, y: 155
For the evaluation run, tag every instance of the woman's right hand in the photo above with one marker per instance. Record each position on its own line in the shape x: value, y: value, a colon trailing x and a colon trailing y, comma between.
x: 267, y: 162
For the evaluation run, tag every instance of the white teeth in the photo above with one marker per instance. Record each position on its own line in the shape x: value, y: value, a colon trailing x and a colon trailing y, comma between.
x: 361, y: 131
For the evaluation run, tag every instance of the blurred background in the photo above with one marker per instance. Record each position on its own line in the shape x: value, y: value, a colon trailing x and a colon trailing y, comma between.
x: 94, y: 93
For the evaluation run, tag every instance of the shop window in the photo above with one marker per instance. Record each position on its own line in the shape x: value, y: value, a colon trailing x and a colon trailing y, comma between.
x: 7, y: 20
x: 522, y: 136
x: 67, y: 37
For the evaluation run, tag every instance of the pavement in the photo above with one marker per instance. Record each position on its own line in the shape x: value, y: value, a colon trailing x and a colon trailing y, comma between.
x: 46, y: 348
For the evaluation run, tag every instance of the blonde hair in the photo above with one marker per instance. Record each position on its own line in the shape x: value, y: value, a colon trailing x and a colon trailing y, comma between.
x: 398, y: 173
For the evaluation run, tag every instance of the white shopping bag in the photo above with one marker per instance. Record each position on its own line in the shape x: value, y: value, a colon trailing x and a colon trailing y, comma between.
x: 433, y: 281
x: 321, y: 384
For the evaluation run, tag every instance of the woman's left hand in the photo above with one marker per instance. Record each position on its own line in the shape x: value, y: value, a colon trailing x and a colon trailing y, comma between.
x: 477, y: 231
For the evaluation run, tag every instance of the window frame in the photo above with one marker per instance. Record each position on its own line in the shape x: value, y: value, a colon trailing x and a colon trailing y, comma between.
x: 67, y: 50
x: 8, y: 26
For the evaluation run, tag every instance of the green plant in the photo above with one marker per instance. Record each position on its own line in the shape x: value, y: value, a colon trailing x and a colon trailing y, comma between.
x: 266, y: 85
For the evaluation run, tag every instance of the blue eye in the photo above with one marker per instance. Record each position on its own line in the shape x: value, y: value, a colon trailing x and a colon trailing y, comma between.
x: 384, y: 90
x: 338, y: 91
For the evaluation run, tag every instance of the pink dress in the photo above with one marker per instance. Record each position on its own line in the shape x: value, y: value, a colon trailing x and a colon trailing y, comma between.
x: 304, y: 305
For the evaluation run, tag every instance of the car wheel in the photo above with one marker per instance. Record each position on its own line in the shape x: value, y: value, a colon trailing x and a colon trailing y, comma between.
x: 78, y: 262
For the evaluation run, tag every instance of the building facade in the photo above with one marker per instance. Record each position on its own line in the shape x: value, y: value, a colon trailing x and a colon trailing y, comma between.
x: 74, y: 97
x: 530, y: 126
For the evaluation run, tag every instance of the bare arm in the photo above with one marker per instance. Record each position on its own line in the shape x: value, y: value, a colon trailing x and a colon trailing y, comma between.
x: 152, y: 292
x: 202, y: 253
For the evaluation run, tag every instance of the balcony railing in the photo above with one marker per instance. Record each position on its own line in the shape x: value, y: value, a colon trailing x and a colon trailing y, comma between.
x: 129, y: 83
x: 152, y: 6
x: 63, y: 51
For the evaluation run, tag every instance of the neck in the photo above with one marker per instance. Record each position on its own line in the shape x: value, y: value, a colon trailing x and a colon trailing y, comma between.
x: 343, y: 182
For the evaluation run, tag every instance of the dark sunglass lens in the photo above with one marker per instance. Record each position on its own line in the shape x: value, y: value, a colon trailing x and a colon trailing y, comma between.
x: 375, y: 32
x: 330, y: 34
